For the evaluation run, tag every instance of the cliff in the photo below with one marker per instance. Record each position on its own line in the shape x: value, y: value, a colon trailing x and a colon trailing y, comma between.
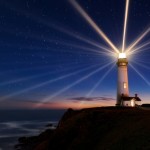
x: 105, y: 128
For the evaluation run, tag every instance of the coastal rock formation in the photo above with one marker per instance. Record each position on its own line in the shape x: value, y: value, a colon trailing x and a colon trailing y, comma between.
x: 105, y: 128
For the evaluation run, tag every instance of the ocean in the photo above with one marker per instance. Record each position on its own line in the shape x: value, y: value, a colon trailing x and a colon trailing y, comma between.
x: 19, y: 123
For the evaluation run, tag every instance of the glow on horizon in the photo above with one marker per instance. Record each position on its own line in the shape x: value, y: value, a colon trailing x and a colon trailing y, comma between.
x: 61, y: 104
x: 49, y: 98
x: 57, y: 104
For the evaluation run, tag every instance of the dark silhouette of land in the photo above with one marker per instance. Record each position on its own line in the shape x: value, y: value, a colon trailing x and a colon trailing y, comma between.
x: 105, y: 128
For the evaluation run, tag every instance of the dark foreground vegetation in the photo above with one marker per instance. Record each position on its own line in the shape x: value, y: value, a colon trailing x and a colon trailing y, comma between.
x: 106, y: 128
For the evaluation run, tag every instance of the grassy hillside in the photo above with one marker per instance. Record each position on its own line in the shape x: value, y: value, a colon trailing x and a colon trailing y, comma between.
x: 108, y: 128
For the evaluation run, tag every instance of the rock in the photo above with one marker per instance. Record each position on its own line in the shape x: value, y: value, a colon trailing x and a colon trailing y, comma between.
x: 105, y: 128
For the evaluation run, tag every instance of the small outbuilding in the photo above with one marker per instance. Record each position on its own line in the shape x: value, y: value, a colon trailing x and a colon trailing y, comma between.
x: 130, y: 101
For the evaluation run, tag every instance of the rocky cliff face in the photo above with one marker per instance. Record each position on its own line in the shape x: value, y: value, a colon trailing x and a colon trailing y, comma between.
x: 96, y: 129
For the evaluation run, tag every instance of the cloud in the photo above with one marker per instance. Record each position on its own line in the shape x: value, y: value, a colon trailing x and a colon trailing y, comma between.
x: 22, y: 104
x: 91, y: 98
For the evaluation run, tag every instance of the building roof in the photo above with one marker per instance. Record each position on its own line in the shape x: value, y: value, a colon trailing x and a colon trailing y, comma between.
x: 126, y: 98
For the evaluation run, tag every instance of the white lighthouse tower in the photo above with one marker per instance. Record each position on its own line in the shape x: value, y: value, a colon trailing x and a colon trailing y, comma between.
x: 122, y: 85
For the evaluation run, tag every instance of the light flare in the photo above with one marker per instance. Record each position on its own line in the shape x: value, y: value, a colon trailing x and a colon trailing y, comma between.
x: 93, y: 24
x: 122, y: 55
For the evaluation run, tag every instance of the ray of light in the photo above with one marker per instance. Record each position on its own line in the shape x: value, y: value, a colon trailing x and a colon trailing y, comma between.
x: 125, y: 25
x: 59, y: 28
x: 93, y: 24
x: 141, y: 64
x: 45, y: 83
x: 101, y: 79
x: 97, y: 84
x: 71, y: 85
x: 23, y: 79
x: 41, y: 67
x: 91, y: 49
x: 146, y: 81
x: 137, y: 40
x: 78, y: 37
x: 47, y: 39
x: 97, y: 51
x: 42, y: 21
x: 39, y: 75
x: 141, y: 61
x: 82, y: 38
x: 24, y: 69
x: 139, y: 48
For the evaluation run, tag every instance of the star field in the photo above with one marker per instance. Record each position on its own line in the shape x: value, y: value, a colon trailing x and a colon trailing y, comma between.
x: 42, y: 41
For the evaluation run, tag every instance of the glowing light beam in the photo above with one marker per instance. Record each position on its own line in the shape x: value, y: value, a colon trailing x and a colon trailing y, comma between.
x: 38, y: 76
x: 82, y: 38
x: 146, y: 81
x: 141, y: 64
x: 42, y: 21
x: 138, y: 40
x: 93, y: 24
x: 139, y: 48
x: 98, y: 83
x: 45, y: 83
x: 125, y: 24
x: 91, y: 49
x: 71, y: 85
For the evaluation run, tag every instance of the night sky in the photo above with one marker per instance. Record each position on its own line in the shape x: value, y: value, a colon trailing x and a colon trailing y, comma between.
x: 50, y: 56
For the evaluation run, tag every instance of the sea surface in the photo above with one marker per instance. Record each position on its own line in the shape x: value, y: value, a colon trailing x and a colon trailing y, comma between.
x: 18, y: 123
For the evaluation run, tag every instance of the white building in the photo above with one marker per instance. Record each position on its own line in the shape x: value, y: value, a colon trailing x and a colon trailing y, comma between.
x: 130, y: 101
x: 123, y: 98
x: 122, y: 85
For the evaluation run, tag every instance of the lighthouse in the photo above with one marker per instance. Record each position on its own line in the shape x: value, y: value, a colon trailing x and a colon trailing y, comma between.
x: 122, y: 83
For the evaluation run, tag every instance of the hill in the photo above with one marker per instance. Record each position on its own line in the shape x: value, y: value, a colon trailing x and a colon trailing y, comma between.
x: 105, y: 128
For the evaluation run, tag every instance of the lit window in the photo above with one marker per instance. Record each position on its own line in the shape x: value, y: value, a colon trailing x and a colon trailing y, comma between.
x: 132, y: 103
x: 124, y: 85
x: 123, y: 64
